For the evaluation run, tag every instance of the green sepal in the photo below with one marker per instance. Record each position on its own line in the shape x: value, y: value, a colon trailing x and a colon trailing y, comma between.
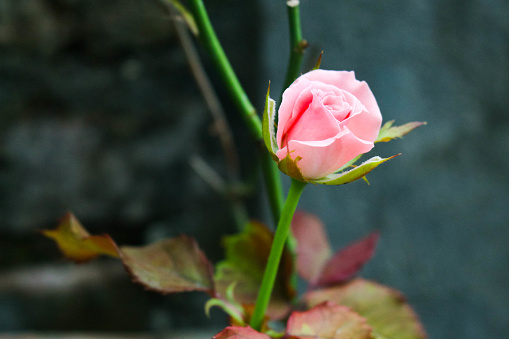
x: 269, y: 125
x: 353, y: 174
x: 349, y: 164
x: 389, y: 132
x: 289, y: 167
x: 188, y: 17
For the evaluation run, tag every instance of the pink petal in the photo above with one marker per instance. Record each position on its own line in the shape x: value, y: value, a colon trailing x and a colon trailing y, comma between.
x: 316, y: 123
x: 295, y: 98
x: 365, y: 126
x: 320, y: 158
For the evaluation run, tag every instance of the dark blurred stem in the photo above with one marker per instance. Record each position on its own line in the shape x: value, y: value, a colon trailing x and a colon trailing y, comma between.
x: 209, y: 40
x: 297, y: 43
x: 272, y: 177
x: 220, y: 123
x: 232, y: 190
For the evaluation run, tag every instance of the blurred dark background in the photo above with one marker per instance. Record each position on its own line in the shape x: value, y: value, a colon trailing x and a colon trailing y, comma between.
x: 100, y: 115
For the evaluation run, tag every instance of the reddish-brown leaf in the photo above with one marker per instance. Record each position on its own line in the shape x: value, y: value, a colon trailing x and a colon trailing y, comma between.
x: 77, y: 244
x: 236, y: 332
x: 313, y: 250
x: 169, y: 266
x: 348, y: 261
x: 384, y: 308
x: 328, y: 321
x: 315, y: 262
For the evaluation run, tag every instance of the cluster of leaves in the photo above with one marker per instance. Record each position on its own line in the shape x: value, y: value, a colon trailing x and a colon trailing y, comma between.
x: 336, y: 305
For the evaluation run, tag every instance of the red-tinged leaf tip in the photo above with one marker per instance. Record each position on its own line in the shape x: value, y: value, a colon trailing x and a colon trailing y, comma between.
x: 345, y: 264
x: 77, y: 244
x: 313, y: 249
x: 169, y: 266
x: 236, y: 332
x: 384, y: 308
x: 329, y: 321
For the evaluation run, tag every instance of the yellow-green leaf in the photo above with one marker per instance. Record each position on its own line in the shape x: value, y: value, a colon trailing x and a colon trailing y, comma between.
x: 77, y: 244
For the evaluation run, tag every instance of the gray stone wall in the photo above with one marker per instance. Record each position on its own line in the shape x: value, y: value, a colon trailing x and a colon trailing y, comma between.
x: 99, y: 115
x: 441, y: 206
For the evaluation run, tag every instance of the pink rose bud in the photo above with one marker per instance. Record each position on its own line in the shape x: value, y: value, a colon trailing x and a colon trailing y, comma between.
x: 326, y: 119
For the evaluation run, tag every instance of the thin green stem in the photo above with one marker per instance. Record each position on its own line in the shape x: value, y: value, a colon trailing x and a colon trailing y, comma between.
x: 212, y: 45
x: 269, y: 277
x: 297, y: 45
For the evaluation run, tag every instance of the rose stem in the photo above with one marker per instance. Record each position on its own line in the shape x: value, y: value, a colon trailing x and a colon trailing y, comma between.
x: 297, y: 43
x: 269, y: 276
x: 211, y: 43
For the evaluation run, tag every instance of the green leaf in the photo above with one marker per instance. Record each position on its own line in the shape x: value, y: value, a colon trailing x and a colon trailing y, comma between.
x: 384, y: 308
x: 328, y: 321
x: 169, y: 266
x: 77, y: 244
x: 246, y: 258
x: 269, y: 125
x: 188, y: 17
x: 389, y: 132
x: 353, y: 174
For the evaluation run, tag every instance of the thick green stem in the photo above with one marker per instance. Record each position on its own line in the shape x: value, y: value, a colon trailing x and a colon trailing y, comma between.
x: 211, y: 43
x: 297, y: 45
x: 269, y: 277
